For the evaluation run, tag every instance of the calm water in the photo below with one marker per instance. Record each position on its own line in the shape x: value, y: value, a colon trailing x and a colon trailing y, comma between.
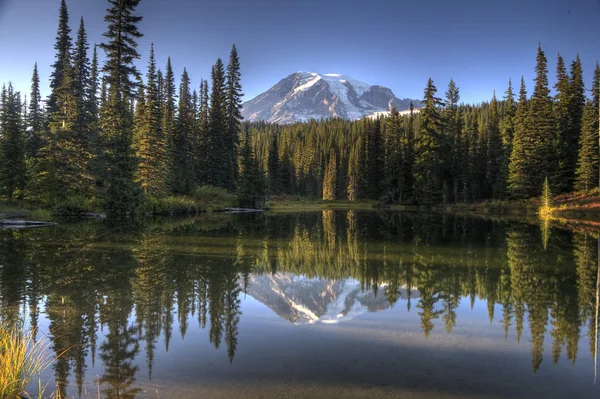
x: 327, y: 304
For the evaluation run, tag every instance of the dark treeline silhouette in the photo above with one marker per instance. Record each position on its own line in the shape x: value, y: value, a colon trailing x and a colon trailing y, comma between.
x: 134, y: 284
x: 446, y: 152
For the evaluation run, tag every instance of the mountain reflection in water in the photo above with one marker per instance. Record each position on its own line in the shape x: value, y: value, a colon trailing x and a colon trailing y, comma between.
x: 112, y: 296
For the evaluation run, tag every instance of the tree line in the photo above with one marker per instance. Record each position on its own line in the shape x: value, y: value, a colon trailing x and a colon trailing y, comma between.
x: 447, y: 151
x: 109, y: 134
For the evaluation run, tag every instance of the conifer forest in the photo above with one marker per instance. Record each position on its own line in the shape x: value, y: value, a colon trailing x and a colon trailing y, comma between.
x: 111, y: 135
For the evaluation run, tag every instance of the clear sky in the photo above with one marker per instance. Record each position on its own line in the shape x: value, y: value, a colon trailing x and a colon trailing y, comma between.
x: 394, y: 43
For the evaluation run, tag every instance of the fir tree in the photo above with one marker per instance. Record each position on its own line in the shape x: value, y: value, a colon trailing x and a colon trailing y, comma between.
x: 217, y: 159
x: 12, y: 144
x: 182, y: 169
x: 252, y: 185
x: 587, y: 164
x: 507, y: 132
x: 394, y: 178
x: 330, y: 179
x: 428, y: 160
x: 452, y: 142
x: 81, y: 77
x: 576, y: 104
x: 65, y: 155
x: 168, y: 113
x: 495, y: 184
x: 123, y: 195
x: 63, y: 51
x: 518, y: 171
x: 273, y: 172
x: 375, y: 160
x: 233, y: 105
x: 35, y: 118
x: 563, y: 177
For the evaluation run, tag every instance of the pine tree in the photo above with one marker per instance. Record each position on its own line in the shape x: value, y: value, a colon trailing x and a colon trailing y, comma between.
x: 149, y: 140
x: 182, y: 169
x: 252, y: 185
x: 200, y: 163
x: 63, y: 51
x: 452, y: 142
x: 217, y: 158
x: 375, y: 160
x: 576, y: 105
x: 518, y: 167
x: 273, y: 170
x: 63, y: 167
x: 587, y: 164
x: 330, y: 179
x: 168, y: 114
x: 123, y: 195
x: 394, y: 178
x: 35, y: 118
x: 428, y: 160
x: 12, y: 144
x: 81, y: 78
x: 563, y: 178
x: 495, y: 184
x: 233, y: 105
x: 507, y: 132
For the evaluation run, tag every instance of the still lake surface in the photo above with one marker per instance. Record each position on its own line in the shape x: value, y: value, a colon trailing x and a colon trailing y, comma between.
x: 322, y: 304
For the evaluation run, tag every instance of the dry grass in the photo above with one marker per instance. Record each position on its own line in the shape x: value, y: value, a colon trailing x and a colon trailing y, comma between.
x: 22, y: 359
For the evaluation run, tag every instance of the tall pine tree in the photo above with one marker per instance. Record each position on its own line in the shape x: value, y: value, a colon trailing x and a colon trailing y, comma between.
x: 12, y: 144
x: 233, y: 104
x: 123, y: 194
x: 63, y: 51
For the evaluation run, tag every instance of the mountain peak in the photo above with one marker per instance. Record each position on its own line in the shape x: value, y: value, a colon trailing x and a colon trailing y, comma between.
x: 302, y: 96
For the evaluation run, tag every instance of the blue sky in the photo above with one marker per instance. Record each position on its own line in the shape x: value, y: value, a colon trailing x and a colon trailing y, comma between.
x: 398, y: 44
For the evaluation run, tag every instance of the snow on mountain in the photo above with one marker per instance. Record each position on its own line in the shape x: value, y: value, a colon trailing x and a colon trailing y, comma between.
x: 304, y: 300
x: 302, y: 96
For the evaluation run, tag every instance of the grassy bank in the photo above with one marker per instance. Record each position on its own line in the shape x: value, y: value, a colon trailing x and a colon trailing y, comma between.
x: 286, y: 203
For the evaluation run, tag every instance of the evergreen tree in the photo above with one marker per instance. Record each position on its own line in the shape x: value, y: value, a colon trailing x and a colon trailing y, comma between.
x: 149, y: 140
x: 35, y: 118
x: 202, y: 149
x: 577, y: 102
x: 375, y: 160
x: 64, y: 158
x: 507, y: 132
x: 330, y: 179
x: 452, y: 143
x: 273, y: 172
x: 12, y: 144
x: 587, y: 164
x: 81, y: 76
x: 233, y: 105
x: 63, y: 51
x: 168, y: 113
x: 563, y: 178
x: 428, y: 161
x: 217, y: 158
x: 123, y: 195
x: 495, y: 184
x: 394, y: 178
x: 182, y: 169
x: 252, y: 185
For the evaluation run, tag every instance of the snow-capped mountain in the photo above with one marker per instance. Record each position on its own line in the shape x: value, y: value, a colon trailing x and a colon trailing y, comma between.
x: 305, y: 300
x: 306, y: 95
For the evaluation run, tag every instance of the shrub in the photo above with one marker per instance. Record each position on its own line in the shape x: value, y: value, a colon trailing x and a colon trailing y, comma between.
x: 76, y: 206
x: 213, y: 196
x: 171, y: 206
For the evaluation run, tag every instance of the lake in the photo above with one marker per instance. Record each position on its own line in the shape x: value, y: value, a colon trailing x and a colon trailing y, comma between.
x: 323, y: 304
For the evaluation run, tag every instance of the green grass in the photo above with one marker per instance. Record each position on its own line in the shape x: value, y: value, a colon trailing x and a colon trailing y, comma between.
x: 301, y: 204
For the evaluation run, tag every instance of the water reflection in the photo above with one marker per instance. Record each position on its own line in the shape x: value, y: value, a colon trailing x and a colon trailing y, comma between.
x: 114, y: 294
